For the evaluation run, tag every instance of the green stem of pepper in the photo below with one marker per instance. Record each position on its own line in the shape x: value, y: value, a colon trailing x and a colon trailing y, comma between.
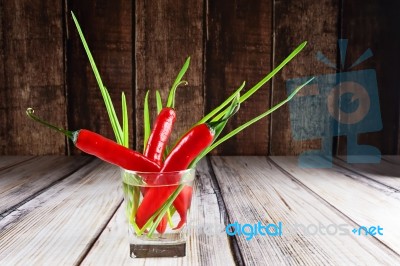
x: 67, y: 133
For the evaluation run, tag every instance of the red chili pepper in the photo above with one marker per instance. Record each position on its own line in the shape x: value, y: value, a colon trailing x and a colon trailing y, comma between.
x: 184, y: 152
x: 156, y: 145
x: 103, y: 148
x: 193, y: 142
x: 111, y: 152
x: 160, y: 134
x: 182, y: 204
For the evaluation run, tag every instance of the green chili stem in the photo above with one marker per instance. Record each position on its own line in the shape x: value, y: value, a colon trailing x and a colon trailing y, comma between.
x: 67, y: 133
x: 220, y: 125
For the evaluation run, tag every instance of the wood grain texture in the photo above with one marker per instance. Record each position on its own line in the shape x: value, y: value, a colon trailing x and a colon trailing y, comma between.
x: 60, y: 224
x: 238, y: 48
x: 295, y: 22
x: 166, y: 33
x: 31, y: 75
x: 398, y: 134
x: 79, y: 220
x: 373, y: 24
x: 24, y: 180
x: 386, y: 172
x: 10, y: 161
x: 141, y: 45
x: 107, y: 26
x: 255, y: 189
x: 359, y: 201
x: 208, y: 244
x: 391, y: 159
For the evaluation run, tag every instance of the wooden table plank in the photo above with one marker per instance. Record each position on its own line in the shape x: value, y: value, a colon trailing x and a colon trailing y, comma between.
x: 362, y: 203
x: 8, y: 161
x: 385, y: 172
x: 24, y: 180
x: 208, y: 244
x: 255, y: 189
x: 59, y: 225
x: 75, y: 220
x: 394, y: 159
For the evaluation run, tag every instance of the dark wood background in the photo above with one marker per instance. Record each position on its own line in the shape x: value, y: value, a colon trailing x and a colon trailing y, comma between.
x: 141, y: 45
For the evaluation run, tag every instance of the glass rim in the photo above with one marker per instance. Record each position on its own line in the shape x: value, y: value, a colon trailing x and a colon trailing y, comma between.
x: 158, y: 179
x: 158, y: 173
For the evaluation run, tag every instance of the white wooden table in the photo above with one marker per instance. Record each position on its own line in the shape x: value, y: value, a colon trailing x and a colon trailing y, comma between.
x: 58, y: 210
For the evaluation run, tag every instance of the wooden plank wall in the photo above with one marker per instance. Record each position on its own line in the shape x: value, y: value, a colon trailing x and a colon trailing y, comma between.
x: 374, y: 25
x: 141, y: 45
x: 238, y: 48
x: 31, y: 75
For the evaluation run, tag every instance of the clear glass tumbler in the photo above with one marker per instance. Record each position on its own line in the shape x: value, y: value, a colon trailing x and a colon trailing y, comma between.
x: 157, y: 207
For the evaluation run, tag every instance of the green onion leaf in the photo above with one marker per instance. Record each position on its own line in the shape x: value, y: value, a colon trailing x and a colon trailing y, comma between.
x: 170, y: 213
x: 125, y: 123
x: 252, y: 121
x: 159, y: 101
x: 113, y: 117
x: 146, y: 120
x: 171, y: 98
x: 222, y: 105
x: 233, y: 108
x: 263, y: 81
x: 106, y: 97
x: 177, y: 82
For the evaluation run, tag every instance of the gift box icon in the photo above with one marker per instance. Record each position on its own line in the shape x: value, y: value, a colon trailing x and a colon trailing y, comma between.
x: 339, y: 104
